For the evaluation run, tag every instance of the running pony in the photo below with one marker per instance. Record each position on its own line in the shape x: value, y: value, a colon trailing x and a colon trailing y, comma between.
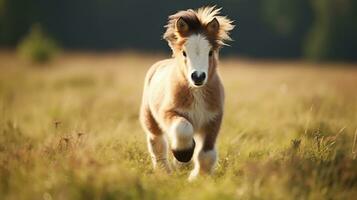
x: 182, y: 105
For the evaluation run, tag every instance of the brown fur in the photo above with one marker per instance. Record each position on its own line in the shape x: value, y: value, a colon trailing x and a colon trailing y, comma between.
x: 211, y: 131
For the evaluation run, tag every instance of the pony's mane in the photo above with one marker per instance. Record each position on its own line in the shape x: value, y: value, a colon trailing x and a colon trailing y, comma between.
x: 197, y: 21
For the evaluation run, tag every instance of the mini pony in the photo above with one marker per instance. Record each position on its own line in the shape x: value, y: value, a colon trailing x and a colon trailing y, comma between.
x: 182, y: 104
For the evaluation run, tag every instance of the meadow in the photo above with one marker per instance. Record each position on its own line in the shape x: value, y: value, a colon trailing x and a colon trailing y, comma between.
x: 69, y: 130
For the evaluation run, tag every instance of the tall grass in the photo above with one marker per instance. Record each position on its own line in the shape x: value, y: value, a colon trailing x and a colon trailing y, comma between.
x: 71, y: 132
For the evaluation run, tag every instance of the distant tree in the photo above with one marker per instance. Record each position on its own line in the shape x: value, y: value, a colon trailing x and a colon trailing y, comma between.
x: 285, y: 16
x: 318, y: 29
x: 289, y: 21
x: 37, y: 46
x: 333, y: 35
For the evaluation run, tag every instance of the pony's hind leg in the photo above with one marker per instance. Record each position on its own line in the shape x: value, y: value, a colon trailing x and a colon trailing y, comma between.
x: 157, y: 146
x: 156, y: 141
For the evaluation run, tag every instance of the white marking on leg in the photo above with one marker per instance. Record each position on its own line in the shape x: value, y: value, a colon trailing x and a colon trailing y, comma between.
x: 181, y: 134
x: 196, y: 169
x: 204, y: 161
x: 207, y: 160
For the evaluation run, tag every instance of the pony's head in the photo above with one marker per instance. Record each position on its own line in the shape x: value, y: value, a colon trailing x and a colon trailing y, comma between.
x: 195, y: 38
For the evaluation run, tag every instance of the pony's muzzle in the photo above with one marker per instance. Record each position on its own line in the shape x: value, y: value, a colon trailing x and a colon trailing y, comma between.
x: 198, y: 78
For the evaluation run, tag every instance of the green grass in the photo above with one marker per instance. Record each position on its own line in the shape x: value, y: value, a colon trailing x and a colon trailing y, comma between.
x: 70, y: 130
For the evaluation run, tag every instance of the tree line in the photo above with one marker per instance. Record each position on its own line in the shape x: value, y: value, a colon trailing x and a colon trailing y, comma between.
x: 313, y: 29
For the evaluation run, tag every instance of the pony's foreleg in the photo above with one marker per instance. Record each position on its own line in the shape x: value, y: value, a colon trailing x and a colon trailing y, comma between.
x: 156, y: 141
x: 206, y: 156
x: 180, y: 133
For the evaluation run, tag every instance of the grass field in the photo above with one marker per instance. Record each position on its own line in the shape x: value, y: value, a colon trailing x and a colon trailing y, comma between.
x: 70, y: 130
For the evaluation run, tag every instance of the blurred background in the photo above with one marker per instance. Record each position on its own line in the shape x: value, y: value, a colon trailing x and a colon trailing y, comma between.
x: 71, y: 77
x: 319, y: 30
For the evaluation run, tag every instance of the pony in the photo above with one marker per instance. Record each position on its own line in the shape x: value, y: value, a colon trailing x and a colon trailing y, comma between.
x: 183, y: 97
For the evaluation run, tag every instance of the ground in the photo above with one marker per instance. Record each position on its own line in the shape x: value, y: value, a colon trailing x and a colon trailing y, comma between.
x: 69, y: 130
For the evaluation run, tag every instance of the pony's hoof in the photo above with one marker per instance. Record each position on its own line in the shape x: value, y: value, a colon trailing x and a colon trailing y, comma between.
x: 162, y: 165
x: 193, y: 175
x: 184, y: 155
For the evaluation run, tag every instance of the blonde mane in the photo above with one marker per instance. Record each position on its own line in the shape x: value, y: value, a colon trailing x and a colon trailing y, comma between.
x: 197, y: 21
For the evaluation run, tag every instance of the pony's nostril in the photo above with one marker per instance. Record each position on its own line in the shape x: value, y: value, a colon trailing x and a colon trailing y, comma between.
x: 202, y: 77
x: 194, y: 76
x: 198, y: 78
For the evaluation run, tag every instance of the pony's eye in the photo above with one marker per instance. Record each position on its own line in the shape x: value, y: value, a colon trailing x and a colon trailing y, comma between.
x: 184, y: 53
x: 210, y: 53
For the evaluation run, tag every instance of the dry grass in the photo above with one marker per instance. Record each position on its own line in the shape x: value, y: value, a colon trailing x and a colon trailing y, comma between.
x: 69, y: 130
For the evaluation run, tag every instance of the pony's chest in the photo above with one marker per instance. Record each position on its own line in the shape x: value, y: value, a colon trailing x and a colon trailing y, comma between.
x: 198, y: 112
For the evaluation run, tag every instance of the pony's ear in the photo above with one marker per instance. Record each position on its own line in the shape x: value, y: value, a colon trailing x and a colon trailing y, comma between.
x: 213, y: 26
x: 181, y: 26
